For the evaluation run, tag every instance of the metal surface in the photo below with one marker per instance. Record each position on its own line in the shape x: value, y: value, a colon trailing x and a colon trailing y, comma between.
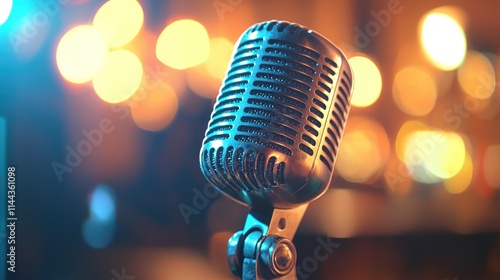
x: 275, y: 129
x: 253, y: 253
x: 273, y: 138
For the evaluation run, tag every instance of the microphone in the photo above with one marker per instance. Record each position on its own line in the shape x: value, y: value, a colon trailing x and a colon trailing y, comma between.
x: 273, y: 137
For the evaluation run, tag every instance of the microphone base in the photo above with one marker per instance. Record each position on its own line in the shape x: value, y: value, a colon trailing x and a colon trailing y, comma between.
x: 263, y: 249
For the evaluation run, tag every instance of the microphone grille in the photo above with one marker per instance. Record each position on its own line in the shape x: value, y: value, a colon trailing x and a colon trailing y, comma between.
x: 284, y: 100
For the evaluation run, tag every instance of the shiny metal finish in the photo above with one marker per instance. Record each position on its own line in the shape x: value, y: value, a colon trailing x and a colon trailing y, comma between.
x: 263, y: 249
x: 276, y: 126
x: 273, y: 138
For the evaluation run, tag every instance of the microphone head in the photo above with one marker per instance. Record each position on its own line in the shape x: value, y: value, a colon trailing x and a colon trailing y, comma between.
x: 276, y: 126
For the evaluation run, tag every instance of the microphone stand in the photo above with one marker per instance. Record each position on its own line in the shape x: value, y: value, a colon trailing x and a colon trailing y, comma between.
x: 264, y: 248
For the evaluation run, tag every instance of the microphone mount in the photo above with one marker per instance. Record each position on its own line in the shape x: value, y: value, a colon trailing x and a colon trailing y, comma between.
x: 264, y: 248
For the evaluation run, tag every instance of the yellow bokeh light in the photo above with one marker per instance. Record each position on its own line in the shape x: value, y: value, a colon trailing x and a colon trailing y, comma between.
x: 120, y: 21
x: 418, y: 147
x: 156, y: 109
x: 443, y: 40
x: 363, y: 139
x: 183, y: 44
x: 414, y: 91
x: 406, y: 130
x: 81, y: 53
x: 367, y: 82
x: 119, y: 78
x: 491, y: 165
x: 220, y: 55
x: 460, y: 182
x: 476, y: 75
x: 434, y: 155
x: 449, y: 157
x: 5, y: 8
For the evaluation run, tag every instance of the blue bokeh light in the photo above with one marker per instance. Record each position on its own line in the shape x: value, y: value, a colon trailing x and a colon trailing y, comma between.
x: 102, y: 204
x: 99, y: 228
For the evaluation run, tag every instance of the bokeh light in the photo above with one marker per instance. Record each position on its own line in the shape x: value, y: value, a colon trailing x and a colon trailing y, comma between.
x: 102, y: 204
x: 183, y: 44
x: 363, y: 139
x: 418, y: 147
x: 220, y: 55
x: 202, y: 83
x: 119, y: 78
x: 443, y: 40
x: 406, y: 130
x: 217, y: 252
x: 5, y: 8
x: 81, y: 53
x: 120, y: 21
x: 367, y: 82
x: 98, y: 234
x: 174, y: 263
x: 449, y: 157
x: 98, y: 230
x: 155, y: 109
x: 414, y: 91
x: 337, y: 213
x: 460, y: 182
x: 476, y: 75
x: 491, y: 166
x: 434, y: 155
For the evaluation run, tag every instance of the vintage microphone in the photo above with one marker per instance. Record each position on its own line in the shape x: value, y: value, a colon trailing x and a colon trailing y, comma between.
x: 273, y: 138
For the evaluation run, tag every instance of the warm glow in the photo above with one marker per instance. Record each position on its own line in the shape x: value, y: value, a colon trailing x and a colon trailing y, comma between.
x: 155, y: 109
x: 339, y: 213
x: 5, y: 8
x: 406, y: 130
x: 177, y: 263
x: 120, y: 21
x: 183, y: 44
x: 202, y: 83
x: 419, y: 146
x: 363, y: 139
x: 477, y: 75
x: 220, y: 55
x: 119, y: 78
x: 491, y: 166
x: 443, y: 40
x: 414, y: 91
x: 81, y: 53
x: 367, y: 82
x: 434, y: 155
x: 460, y: 182
x: 449, y: 157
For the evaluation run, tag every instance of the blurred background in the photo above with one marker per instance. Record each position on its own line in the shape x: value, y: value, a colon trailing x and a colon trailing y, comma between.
x: 104, y: 104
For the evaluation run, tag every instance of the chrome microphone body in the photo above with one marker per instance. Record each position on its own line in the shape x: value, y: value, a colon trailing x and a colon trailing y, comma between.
x: 274, y: 136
